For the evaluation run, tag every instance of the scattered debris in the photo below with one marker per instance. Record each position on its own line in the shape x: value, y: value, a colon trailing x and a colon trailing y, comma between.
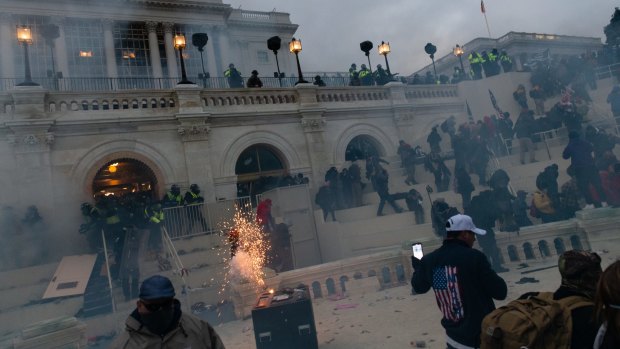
x: 525, y: 280
x: 346, y: 306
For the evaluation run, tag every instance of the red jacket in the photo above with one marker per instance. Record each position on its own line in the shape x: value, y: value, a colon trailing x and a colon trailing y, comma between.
x: 611, y: 186
x: 263, y: 212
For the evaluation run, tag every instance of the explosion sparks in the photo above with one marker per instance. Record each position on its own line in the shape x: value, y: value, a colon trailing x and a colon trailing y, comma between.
x: 252, y: 247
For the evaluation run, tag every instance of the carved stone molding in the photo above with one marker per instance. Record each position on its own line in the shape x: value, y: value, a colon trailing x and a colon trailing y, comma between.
x: 31, y: 142
x: 194, y: 132
x: 107, y: 23
x: 151, y: 26
x: 313, y: 125
x: 404, y: 118
x: 6, y: 17
x: 168, y: 27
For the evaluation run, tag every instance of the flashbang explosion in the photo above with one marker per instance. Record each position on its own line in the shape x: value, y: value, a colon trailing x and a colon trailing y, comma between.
x: 252, y: 247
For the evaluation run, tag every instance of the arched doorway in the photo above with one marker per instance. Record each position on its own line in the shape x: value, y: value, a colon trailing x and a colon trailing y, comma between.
x: 361, y: 147
x: 259, y: 168
x: 125, y: 176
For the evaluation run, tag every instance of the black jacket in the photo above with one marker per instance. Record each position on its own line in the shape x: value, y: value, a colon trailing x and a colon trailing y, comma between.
x: 473, y: 287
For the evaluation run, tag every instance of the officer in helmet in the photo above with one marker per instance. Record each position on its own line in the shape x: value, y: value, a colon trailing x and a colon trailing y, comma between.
x: 195, y: 209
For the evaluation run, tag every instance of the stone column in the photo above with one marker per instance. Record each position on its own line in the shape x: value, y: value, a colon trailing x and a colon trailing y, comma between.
x: 194, y: 129
x: 7, y: 40
x: 108, y: 44
x: 60, y: 48
x: 313, y: 124
x: 173, y: 67
x: 221, y: 49
x: 151, y: 27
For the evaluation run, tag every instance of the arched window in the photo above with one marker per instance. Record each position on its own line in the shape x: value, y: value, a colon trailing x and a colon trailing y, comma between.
x: 361, y: 147
x: 258, y: 169
x: 124, y: 176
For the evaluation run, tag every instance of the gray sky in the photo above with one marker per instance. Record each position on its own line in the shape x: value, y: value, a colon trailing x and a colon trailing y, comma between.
x: 331, y: 30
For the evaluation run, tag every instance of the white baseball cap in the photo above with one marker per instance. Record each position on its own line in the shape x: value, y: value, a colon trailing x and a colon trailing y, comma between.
x: 461, y: 222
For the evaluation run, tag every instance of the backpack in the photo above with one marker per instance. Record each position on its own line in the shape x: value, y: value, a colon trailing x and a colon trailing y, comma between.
x: 538, y: 322
x: 444, y: 126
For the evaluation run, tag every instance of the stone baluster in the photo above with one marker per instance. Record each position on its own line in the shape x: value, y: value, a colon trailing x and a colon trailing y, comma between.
x: 151, y: 28
x: 173, y: 67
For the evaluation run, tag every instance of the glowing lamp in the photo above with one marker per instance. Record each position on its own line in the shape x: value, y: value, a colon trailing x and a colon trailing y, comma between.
x: 384, y: 48
x: 458, y: 51
x: 113, y: 167
x: 24, y: 34
x: 295, y: 46
x: 271, y: 291
x: 179, y: 41
x: 86, y: 54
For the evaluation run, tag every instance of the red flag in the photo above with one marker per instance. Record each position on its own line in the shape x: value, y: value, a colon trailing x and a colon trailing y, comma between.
x: 482, y: 6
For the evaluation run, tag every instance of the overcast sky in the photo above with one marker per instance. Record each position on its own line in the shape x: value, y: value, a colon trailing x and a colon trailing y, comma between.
x: 331, y: 30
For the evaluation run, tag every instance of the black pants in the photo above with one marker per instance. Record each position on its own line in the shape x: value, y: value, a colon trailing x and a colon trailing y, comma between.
x: 327, y: 211
x: 386, y: 197
x: 489, y: 247
x: 585, y: 177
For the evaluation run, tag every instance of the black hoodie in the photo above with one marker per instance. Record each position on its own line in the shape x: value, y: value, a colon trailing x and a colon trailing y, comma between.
x: 465, y: 286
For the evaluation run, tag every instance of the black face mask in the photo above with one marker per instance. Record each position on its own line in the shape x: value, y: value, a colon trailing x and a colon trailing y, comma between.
x: 160, y: 321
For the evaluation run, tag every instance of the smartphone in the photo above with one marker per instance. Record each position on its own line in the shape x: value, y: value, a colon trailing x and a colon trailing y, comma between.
x: 417, y: 250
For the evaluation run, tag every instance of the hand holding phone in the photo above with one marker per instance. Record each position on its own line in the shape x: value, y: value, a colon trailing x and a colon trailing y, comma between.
x: 417, y: 250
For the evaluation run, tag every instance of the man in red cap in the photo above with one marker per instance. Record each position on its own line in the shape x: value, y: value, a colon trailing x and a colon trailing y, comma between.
x: 158, y: 322
x: 463, y: 281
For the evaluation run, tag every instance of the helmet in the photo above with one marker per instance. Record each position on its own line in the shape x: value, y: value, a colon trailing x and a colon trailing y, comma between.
x: 194, y: 187
x: 85, y: 206
x: 175, y: 189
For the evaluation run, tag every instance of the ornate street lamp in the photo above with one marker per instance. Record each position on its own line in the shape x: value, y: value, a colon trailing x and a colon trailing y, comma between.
x: 274, y: 43
x: 458, y: 51
x: 384, y: 50
x: 430, y: 49
x: 199, y: 40
x: 179, y: 44
x: 295, y: 47
x: 24, y: 37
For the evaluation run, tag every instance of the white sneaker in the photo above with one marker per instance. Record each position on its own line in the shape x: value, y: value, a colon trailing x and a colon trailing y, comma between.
x: 588, y: 207
x: 604, y: 204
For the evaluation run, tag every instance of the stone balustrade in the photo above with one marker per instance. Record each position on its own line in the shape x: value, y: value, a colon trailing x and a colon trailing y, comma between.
x: 153, y: 101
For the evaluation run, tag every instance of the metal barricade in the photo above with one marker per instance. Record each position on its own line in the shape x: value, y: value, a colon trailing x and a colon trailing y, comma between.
x: 205, y: 218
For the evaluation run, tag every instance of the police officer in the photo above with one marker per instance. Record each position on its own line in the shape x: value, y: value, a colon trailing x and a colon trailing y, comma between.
x: 234, y: 77
x: 365, y: 76
x: 505, y: 61
x: 381, y: 76
x: 173, y: 197
x: 154, y: 216
x: 195, y: 209
x: 475, y: 62
x: 354, y: 79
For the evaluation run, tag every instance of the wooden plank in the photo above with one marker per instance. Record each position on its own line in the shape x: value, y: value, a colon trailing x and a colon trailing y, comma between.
x: 71, y: 276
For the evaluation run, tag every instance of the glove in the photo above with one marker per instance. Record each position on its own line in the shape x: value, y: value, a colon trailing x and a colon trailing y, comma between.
x: 415, y: 263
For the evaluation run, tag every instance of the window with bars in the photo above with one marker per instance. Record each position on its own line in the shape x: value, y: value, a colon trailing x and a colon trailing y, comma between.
x: 131, y: 47
x: 85, y: 48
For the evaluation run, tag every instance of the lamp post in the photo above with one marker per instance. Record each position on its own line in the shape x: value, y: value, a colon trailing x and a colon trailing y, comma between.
x: 430, y: 49
x: 24, y: 37
x: 384, y: 50
x: 199, y: 40
x: 274, y: 43
x: 458, y: 51
x: 295, y: 47
x: 366, y: 46
x: 179, y: 44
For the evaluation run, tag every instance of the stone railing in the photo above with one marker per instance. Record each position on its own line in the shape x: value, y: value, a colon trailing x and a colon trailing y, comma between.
x: 345, y: 94
x: 79, y: 102
x: 431, y: 91
x: 380, y: 270
x: 6, y: 103
x: 248, y: 97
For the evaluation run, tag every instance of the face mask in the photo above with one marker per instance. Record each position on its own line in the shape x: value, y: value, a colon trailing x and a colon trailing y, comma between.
x: 160, y: 321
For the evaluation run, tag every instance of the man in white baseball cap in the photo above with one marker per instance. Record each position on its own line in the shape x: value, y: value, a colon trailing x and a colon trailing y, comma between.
x: 463, y: 281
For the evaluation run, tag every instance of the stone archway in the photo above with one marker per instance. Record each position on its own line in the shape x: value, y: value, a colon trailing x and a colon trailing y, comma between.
x: 86, y: 168
x: 125, y: 176
x: 259, y: 168
x: 361, y: 147
x: 379, y: 140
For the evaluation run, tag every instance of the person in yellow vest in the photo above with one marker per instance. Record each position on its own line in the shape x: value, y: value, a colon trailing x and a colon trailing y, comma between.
x: 234, y: 77
x: 505, y: 61
x: 365, y: 76
x: 195, y: 208
x: 475, y: 62
x: 354, y: 79
x: 154, y: 215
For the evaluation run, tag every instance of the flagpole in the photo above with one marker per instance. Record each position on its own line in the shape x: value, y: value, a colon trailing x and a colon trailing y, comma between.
x: 484, y: 12
x: 487, y: 21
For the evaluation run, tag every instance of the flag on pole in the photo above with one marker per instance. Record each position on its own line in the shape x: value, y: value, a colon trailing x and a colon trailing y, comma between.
x: 482, y: 6
x: 468, y: 110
